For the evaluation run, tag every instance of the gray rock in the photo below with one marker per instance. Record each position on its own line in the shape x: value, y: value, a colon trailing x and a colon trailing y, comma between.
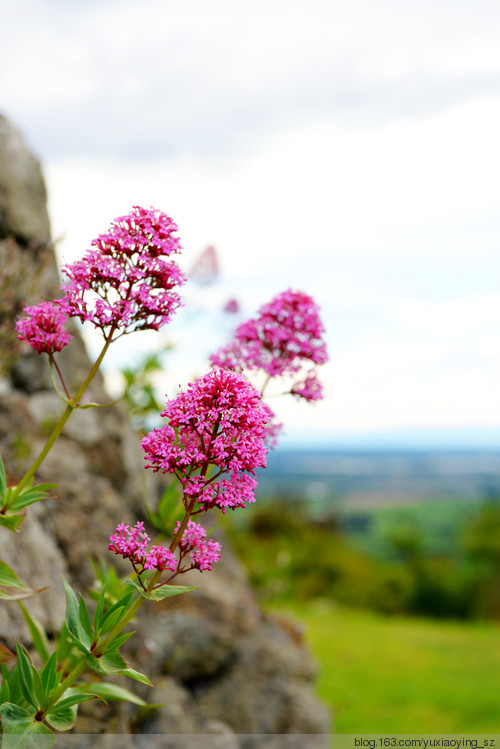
x: 23, y: 197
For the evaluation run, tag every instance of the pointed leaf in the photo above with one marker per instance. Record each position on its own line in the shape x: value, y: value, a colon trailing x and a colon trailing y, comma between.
x: 72, y: 618
x: 99, y: 610
x: 12, y: 588
x: 120, y: 640
x: 6, y: 654
x: 50, y: 677
x: 30, y: 495
x: 112, y: 617
x: 11, y: 521
x: 64, y: 644
x: 3, y: 479
x: 85, y: 622
x: 74, y: 697
x: 76, y: 627
x: 37, y: 687
x: 115, y: 692
x: 4, y: 692
x: 137, y: 676
x: 113, y: 663
x: 25, y: 669
x: 109, y: 663
x: 164, y: 591
x: 16, y: 695
x: 38, y: 634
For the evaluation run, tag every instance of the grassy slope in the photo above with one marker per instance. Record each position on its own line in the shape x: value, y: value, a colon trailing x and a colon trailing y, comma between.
x: 401, y: 675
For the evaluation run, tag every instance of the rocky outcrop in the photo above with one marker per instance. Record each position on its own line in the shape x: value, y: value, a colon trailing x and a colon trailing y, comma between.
x: 220, y: 666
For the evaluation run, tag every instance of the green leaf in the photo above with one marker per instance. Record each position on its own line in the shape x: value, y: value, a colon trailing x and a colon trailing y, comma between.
x: 38, y: 634
x: 72, y: 617
x: 109, y: 663
x: 4, y: 692
x: 74, y: 697
x: 6, y: 654
x: 62, y: 719
x: 21, y: 729
x: 62, y: 716
x: 50, y: 677
x: 137, y: 676
x: 15, y: 692
x: 40, y: 737
x: 3, y: 479
x: 114, y: 692
x: 11, y: 521
x: 119, y: 640
x: 164, y: 591
x: 113, y: 663
x: 25, y: 675
x: 12, y: 588
x: 169, y: 509
x: 113, y: 616
x: 37, y: 687
x: 64, y: 644
x: 85, y: 620
x: 76, y: 626
x: 30, y: 496
x: 99, y: 610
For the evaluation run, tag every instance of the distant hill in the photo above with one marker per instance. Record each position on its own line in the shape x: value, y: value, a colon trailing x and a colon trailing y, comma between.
x: 381, y: 475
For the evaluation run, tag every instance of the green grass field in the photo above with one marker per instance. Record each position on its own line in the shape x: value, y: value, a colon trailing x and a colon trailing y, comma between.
x: 402, y: 675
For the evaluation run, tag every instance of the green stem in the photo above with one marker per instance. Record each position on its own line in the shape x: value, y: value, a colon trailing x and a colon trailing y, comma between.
x: 61, y: 378
x: 182, y: 528
x: 128, y: 616
x: 62, y: 421
x: 264, y: 386
x: 121, y: 624
x: 68, y: 681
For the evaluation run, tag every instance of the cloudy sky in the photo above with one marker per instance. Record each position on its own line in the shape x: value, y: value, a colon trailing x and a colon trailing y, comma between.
x: 348, y: 148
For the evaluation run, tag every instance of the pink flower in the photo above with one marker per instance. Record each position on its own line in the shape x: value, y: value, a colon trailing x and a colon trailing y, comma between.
x: 44, y: 327
x: 132, y: 543
x: 125, y: 283
x: 203, y: 552
x: 206, y: 267
x: 217, y: 426
x: 311, y: 388
x: 286, y: 333
x: 232, y: 307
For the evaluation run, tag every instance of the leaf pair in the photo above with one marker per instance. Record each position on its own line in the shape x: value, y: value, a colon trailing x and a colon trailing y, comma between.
x: 89, y: 638
x: 13, y: 504
x: 26, y: 699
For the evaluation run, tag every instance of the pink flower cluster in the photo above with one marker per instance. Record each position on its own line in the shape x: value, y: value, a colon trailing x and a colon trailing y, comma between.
x: 216, y: 427
x: 286, y: 333
x: 43, y: 328
x: 285, y: 337
x: 203, y: 552
x: 132, y: 543
x: 125, y: 283
x: 310, y: 388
